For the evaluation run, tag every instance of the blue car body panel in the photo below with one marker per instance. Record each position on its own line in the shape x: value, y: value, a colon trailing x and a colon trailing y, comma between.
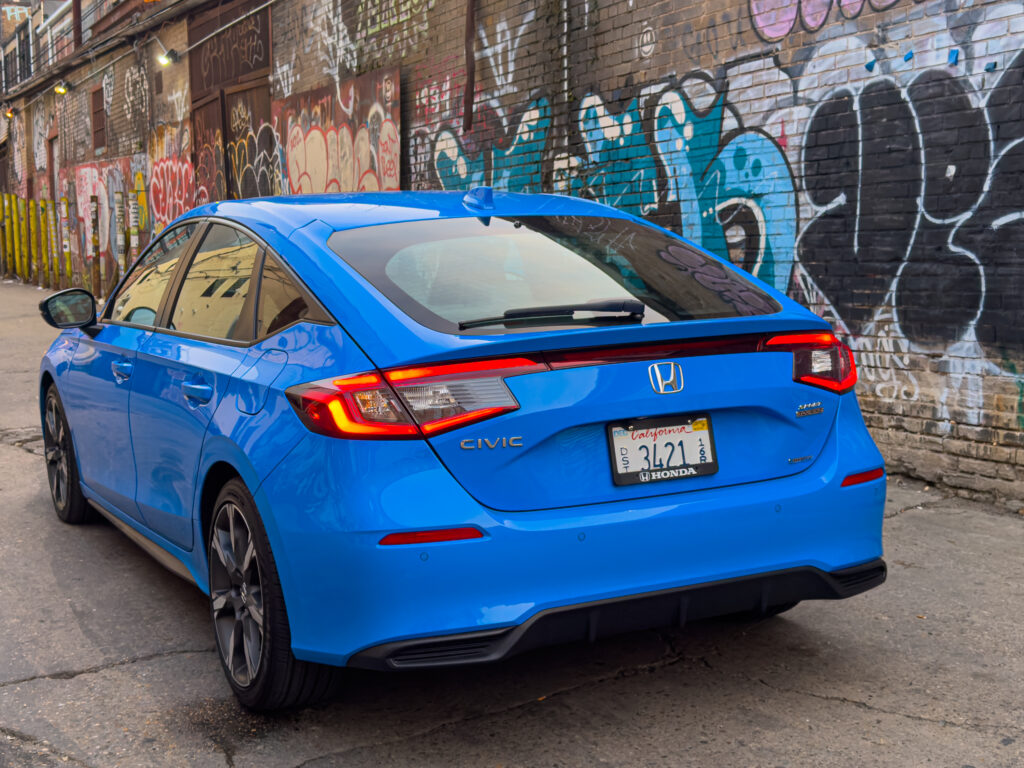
x: 565, y: 535
x: 177, y: 386
x: 100, y: 376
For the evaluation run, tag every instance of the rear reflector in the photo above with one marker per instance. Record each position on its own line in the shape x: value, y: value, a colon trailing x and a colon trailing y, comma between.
x: 864, y: 477
x: 431, y: 537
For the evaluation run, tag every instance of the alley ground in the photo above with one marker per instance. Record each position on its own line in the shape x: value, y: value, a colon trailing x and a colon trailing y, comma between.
x: 107, y: 659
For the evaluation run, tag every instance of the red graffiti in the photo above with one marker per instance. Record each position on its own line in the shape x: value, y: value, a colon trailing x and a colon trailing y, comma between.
x: 171, y: 189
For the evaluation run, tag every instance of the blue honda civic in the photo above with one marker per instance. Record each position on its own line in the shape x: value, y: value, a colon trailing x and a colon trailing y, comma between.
x: 408, y: 430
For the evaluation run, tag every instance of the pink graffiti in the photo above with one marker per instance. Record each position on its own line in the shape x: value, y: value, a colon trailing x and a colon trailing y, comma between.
x: 331, y: 160
x: 171, y: 189
x: 774, y: 19
x: 319, y: 160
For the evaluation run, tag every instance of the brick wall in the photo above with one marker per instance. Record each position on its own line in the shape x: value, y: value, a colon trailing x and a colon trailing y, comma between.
x: 864, y: 156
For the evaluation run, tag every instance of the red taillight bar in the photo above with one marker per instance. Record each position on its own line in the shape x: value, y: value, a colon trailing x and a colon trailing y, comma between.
x: 785, y: 341
x: 510, y: 366
x: 403, y: 402
x: 863, y: 477
x: 432, y: 537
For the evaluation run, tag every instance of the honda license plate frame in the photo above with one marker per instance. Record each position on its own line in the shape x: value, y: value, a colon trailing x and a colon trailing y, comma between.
x: 652, y: 474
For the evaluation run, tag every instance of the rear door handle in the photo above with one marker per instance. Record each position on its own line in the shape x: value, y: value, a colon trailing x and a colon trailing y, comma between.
x: 197, y: 391
x: 122, y: 369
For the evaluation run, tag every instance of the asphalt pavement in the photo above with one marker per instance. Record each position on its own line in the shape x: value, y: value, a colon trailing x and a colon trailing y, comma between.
x: 106, y: 659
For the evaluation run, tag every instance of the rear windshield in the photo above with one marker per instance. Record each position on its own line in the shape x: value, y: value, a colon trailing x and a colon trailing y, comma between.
x: 456, y: 275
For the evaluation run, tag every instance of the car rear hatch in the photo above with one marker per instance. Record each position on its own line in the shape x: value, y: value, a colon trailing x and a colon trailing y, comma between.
x: 720, y: 381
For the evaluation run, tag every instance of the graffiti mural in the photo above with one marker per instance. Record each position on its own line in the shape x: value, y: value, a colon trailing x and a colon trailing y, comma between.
x: 334, y: 147
x: 42, y: 122
x: 394, y: 28
x: 172, y: 186
x: 210, y: 182
x: 617, y: 167
x: 716, y: 181
x: 136, y: 94
x: 325, y: 51
x: 932, y: 234
x: 208, y: 140
x: 16, y: 135
x: 254, y: 161
x: 108, y: 181
x: 722, y: 181
x: 514, y: 168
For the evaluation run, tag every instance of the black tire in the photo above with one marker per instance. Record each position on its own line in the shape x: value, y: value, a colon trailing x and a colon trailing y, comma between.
x: 250, y: 622
x: 61, y: 464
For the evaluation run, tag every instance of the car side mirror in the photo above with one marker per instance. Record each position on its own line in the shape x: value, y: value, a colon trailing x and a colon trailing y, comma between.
x: 71, y: 308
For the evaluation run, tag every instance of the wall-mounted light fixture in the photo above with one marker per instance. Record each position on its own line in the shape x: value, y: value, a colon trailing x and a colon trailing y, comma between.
x: 10, y: 111
x: 62, y: 87
x: 168, y: 57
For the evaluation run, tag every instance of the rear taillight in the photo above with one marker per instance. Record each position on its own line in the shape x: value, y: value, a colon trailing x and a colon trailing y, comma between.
x: 443, y: 397
x: 352, y: 406
x: 409, y: 402
x: 819, y: 359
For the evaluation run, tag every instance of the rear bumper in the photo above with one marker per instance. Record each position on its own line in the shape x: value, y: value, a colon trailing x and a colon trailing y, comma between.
x: 348, y: 595
x: 589, y: 621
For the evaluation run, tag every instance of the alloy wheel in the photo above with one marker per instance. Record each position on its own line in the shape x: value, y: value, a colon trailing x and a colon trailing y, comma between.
x: 55, y: 444
x: 236, y: 594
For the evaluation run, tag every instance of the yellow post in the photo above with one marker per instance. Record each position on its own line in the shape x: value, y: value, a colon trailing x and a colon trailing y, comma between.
x: 26, y: 249
x: 51, y: 239
x: 44, y: 245
x: 19, y: 240
x: 8, y: 235
x: 33, y: 241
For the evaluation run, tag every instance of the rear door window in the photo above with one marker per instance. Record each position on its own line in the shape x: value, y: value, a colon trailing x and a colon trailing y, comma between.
x: 451, y: 272
x: 139, y: 299
x: 282, y: 302
x: 216, y: 296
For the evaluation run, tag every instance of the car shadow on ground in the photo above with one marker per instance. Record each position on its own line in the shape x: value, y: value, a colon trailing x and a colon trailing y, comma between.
x: 406, y: 713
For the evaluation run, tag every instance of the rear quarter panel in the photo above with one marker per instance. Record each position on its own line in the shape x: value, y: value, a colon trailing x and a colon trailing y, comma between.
x: 255, y: 443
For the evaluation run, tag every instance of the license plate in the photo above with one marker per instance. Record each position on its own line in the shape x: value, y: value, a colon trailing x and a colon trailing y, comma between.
x: 650, y: 450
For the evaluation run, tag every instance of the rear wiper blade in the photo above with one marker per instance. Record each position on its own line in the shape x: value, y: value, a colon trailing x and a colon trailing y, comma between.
x: 633, y: 308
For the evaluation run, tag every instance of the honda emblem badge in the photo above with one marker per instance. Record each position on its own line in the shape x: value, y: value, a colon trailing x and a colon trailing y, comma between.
x: 666, y: 378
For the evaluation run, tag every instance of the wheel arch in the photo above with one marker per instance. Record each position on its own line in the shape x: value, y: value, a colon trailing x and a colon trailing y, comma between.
x: 219, y: 473
x: 46, y: 378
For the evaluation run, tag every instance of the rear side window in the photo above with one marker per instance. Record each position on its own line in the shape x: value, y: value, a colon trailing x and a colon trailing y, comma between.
x: 214, y: 299
x: 448, y: 272
x: 282, y: 302
x: 139, y: 298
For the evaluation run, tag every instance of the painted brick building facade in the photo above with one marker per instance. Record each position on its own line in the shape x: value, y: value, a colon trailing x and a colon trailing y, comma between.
x: 865, y: 156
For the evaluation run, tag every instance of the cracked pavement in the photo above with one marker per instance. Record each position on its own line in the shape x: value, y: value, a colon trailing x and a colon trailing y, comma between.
x: 106, y: 659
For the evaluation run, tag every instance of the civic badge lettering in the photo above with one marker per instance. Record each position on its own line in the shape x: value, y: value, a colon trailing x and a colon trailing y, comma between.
x: 666, y: 378
x: 469, y: 444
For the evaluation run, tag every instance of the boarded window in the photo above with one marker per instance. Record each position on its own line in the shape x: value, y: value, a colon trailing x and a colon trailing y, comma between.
x: 99, y: 121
